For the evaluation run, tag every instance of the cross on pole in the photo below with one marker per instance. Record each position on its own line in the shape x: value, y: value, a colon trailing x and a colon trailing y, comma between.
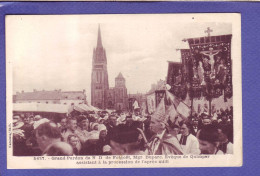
x: 208, y: 31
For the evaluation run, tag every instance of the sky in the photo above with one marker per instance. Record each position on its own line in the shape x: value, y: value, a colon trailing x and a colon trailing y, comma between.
x: 55, y: 51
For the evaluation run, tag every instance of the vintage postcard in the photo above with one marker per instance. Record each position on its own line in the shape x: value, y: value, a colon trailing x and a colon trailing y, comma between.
x: 123, y: 91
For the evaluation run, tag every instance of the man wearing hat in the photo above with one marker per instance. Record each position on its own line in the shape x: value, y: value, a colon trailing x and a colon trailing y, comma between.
x: 125, y: 140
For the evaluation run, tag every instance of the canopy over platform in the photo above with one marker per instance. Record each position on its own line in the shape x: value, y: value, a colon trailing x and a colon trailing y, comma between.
x: 40, y: 107
x: 85, y: 108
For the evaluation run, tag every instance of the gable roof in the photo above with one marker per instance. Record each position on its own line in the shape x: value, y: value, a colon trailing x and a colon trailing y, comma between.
x: 50, y: 95
x: 39, y: 95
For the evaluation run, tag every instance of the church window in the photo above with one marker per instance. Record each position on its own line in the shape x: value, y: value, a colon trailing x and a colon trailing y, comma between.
x: 100, y: 77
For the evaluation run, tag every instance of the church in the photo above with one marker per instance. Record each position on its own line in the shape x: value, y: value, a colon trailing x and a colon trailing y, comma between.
x: 103, y: 96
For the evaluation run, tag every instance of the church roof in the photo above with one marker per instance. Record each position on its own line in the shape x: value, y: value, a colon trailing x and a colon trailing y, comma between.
x: 99, y: 40
x: 120, y: 76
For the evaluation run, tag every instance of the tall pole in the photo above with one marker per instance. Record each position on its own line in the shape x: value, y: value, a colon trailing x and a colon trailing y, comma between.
x: 210, y: 99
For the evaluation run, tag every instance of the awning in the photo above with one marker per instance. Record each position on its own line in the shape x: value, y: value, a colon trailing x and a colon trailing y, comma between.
x: 82, y: 108
x: 40, y: 107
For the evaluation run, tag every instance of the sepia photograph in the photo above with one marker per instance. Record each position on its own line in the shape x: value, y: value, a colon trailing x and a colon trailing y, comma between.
x: 140, y: 90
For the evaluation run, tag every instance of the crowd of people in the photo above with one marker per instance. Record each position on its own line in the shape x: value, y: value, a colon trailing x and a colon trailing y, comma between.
x: 123, y: 133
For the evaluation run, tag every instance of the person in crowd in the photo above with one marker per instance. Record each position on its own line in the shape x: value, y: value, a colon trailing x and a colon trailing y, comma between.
x: 101, y: 120
x: 19, y: 146
x: 189, y: 143
x: 85, y: 128
x: 124, y: 141
x: 72, y: 128
x: 162, y: 143
x: 206, y: 121
x: 94, y: 126
x: 63, y: 125
x: 225, y: 145
x: 208, y: 138
x: 48, y: 138
x: 59, y: 149
x: 37, y: 118
x: 94, y: 132
x: 31, y: 119
x: 174, y: 129
x: 121, y: 119
x: 27, y: 129
x: 112, y: 122
x: 73, y: 140
x: 218, y: 114
x: 100, y: 142
x: 224, y: 119
x: 226, y: 126
x: 136, y: 115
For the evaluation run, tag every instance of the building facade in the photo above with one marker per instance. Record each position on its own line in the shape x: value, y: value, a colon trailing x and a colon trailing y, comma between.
x: 103, y: 96
x: 120, y: 93
x: 99, y: 76
x: 51, y: 97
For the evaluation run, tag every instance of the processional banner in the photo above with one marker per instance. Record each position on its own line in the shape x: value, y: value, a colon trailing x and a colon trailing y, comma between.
x: 176, y: 80
x: 211, y: 65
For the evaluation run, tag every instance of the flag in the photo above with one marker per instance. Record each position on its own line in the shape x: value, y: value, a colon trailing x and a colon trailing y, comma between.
x: 171, y: 113
x: 183, y: 109
x: 159, y: 113
x: 135, y: 105
x: 176, y: 107
x: 171, y: 99
x: 151, y: 103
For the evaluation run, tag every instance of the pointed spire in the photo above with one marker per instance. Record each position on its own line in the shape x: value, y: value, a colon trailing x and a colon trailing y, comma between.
x: 120, y: 76
x: 99, y: 41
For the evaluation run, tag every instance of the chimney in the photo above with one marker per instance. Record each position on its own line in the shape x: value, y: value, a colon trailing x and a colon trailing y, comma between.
x: 22, y: 91
x: 34, y: 90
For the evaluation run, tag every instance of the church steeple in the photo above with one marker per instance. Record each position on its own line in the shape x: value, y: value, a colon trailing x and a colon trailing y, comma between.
x: 99, y: 41
x: 99, y: 76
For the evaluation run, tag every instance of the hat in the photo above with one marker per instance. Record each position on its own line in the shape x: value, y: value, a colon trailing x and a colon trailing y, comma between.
x: 39, y: 122
x: 17, y: 124
x: 101, y: 127
x: 124, y: 134
x: 94, y: 135
x: 37, y: 117
x: 92, y: 125
x: 106, y: 148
